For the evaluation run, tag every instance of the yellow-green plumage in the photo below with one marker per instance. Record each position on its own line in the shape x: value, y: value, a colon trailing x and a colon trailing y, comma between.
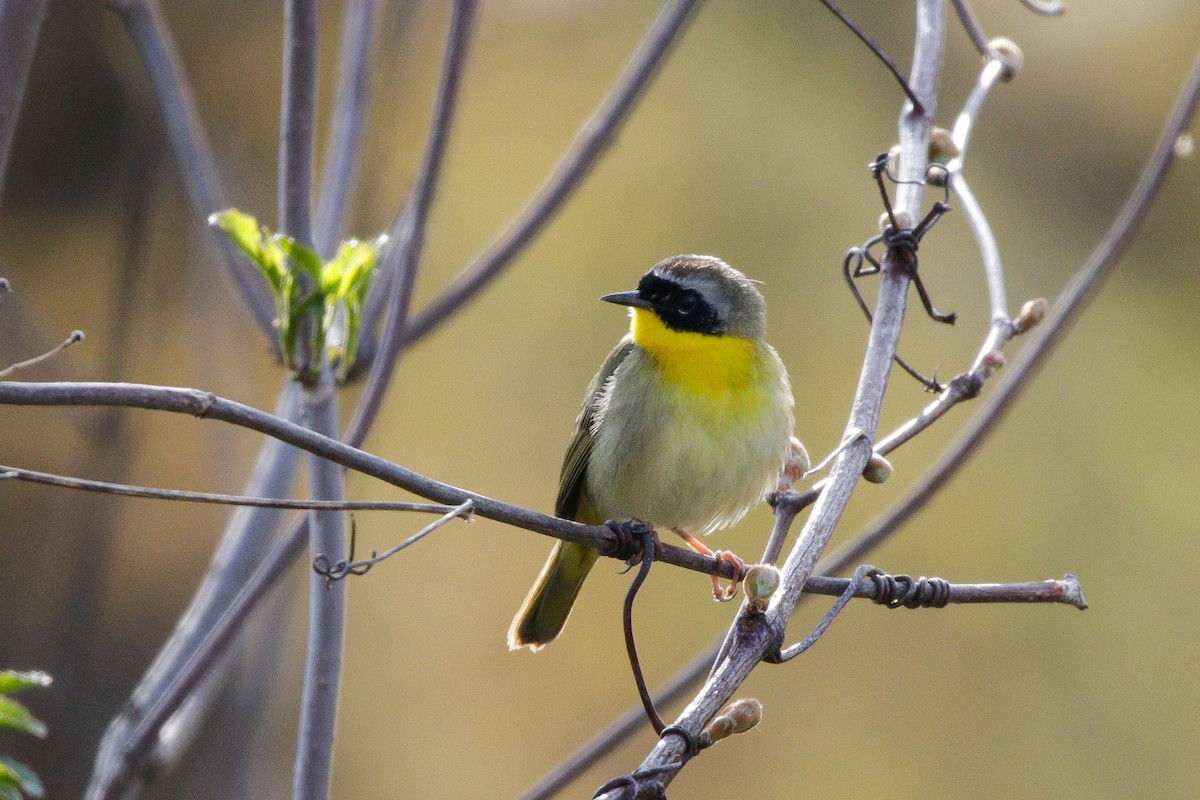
x: 686, y: 425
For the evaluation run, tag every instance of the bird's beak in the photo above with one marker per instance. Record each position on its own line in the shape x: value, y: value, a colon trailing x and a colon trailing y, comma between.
x: 632, y: 299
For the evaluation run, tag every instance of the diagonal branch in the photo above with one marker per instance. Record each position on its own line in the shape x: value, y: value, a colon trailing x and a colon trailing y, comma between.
x: 20, y: 30
x: 177, y: 495
x: 593, y: 140
x: 144, y: 23
x: 756, y: 636
x: 1008, y: 389
x: 209, y: 406
x: 399, y: 263
x: 1071, y: 302
x: 346, y: 125
x: 246, y: 539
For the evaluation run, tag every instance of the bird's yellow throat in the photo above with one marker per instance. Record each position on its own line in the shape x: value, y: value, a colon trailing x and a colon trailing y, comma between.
x: 695, y: 362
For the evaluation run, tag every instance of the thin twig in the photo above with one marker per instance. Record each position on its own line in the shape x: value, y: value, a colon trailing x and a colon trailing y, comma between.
x: 593, y: 139
x: 297, y: 119
x: 246, y: 539
x: 879, y: 52
x: 20, y: 30
x: 177, y: 495
x: 144, y: 23
x: 209, y: 406
x: 1070, y: 303
x: 1046, y: 9
x: 399, y: 262
x: 75, y: 338
x: 346, y: 125
x: 758, y: 636
x: 1001, y: 325
x: 326, y: 610
x: 1008, y: 390
x: 971, y: 25
x: 349, y: 566
x: 1065, y: 590
x: 649, y: 546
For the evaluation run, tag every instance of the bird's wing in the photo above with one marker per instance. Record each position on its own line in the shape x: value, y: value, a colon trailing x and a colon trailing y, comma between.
x: 574, y: 468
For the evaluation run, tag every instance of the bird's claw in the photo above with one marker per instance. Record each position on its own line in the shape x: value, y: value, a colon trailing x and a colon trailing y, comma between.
x: 739, y: 570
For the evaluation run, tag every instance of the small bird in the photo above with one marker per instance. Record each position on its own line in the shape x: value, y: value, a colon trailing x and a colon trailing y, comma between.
x: 686, y: 426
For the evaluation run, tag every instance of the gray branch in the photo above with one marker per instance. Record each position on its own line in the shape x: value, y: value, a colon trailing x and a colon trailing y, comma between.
x: 756, y: 636
x: 143, y: 21
x: 20, y: 30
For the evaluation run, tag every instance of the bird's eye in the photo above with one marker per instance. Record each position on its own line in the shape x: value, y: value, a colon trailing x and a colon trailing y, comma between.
x: 686, y: 304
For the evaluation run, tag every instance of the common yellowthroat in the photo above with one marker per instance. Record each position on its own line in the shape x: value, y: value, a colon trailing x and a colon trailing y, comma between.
x: 686, y: 426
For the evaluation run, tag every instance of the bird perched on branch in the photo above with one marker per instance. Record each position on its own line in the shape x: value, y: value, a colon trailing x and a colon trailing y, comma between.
x: 686, y: 426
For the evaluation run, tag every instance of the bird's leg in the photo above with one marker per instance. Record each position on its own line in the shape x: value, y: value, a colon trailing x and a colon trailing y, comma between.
x: 739, y: 566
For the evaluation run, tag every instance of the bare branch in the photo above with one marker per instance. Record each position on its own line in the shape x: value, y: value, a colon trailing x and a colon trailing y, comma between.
x: 143, y: 21
x: 177, y: 495
x: 75, y: 338
x: 346, y: 125
x: 595, y: 136
x: 297, y: 119
x: 20, y: 29
x: 326, y: 610
x: 1070, y: 303
x: 757, y: 636
x: 209, y: 406
x: 399, y: 263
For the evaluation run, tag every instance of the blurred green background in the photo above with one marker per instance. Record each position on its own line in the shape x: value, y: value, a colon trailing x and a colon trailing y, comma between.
x: 751, y: 145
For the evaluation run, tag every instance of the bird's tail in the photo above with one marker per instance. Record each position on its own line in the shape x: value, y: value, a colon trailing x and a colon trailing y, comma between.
x: 545, y: 610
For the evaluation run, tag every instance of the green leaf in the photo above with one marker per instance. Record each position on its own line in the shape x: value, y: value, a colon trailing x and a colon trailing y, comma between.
x: 349, y: 271
x: 16, y: 716
x: 348, y: 276
x: 13, y: 681
x: 255, y: 241
x: 301, y: 255
x: 241, y: 229
x: 16, y: 778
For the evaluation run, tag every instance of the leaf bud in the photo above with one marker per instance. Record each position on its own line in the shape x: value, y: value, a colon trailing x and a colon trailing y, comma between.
x: 878, y: 469
x: 894, y: 158
x: 942, y: 148
x: 738, y: 717
x: 903, y: 219
x: 1033, y: 312
x: 760, y: 583
x: 992, y: 362
x: 937, y: 175
x: 1009, y: 56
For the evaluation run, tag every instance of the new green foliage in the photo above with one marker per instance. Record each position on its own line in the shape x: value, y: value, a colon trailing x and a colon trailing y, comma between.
x: 306, y: 288
x: 18, y: 781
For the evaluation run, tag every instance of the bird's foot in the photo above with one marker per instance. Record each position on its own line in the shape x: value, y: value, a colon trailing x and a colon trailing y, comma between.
x: 627, y: 539
x: 739, y: 566
x: 739, y: 570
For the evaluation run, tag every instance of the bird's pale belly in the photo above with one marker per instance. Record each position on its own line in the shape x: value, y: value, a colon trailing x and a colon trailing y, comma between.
x: 692, y: 462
